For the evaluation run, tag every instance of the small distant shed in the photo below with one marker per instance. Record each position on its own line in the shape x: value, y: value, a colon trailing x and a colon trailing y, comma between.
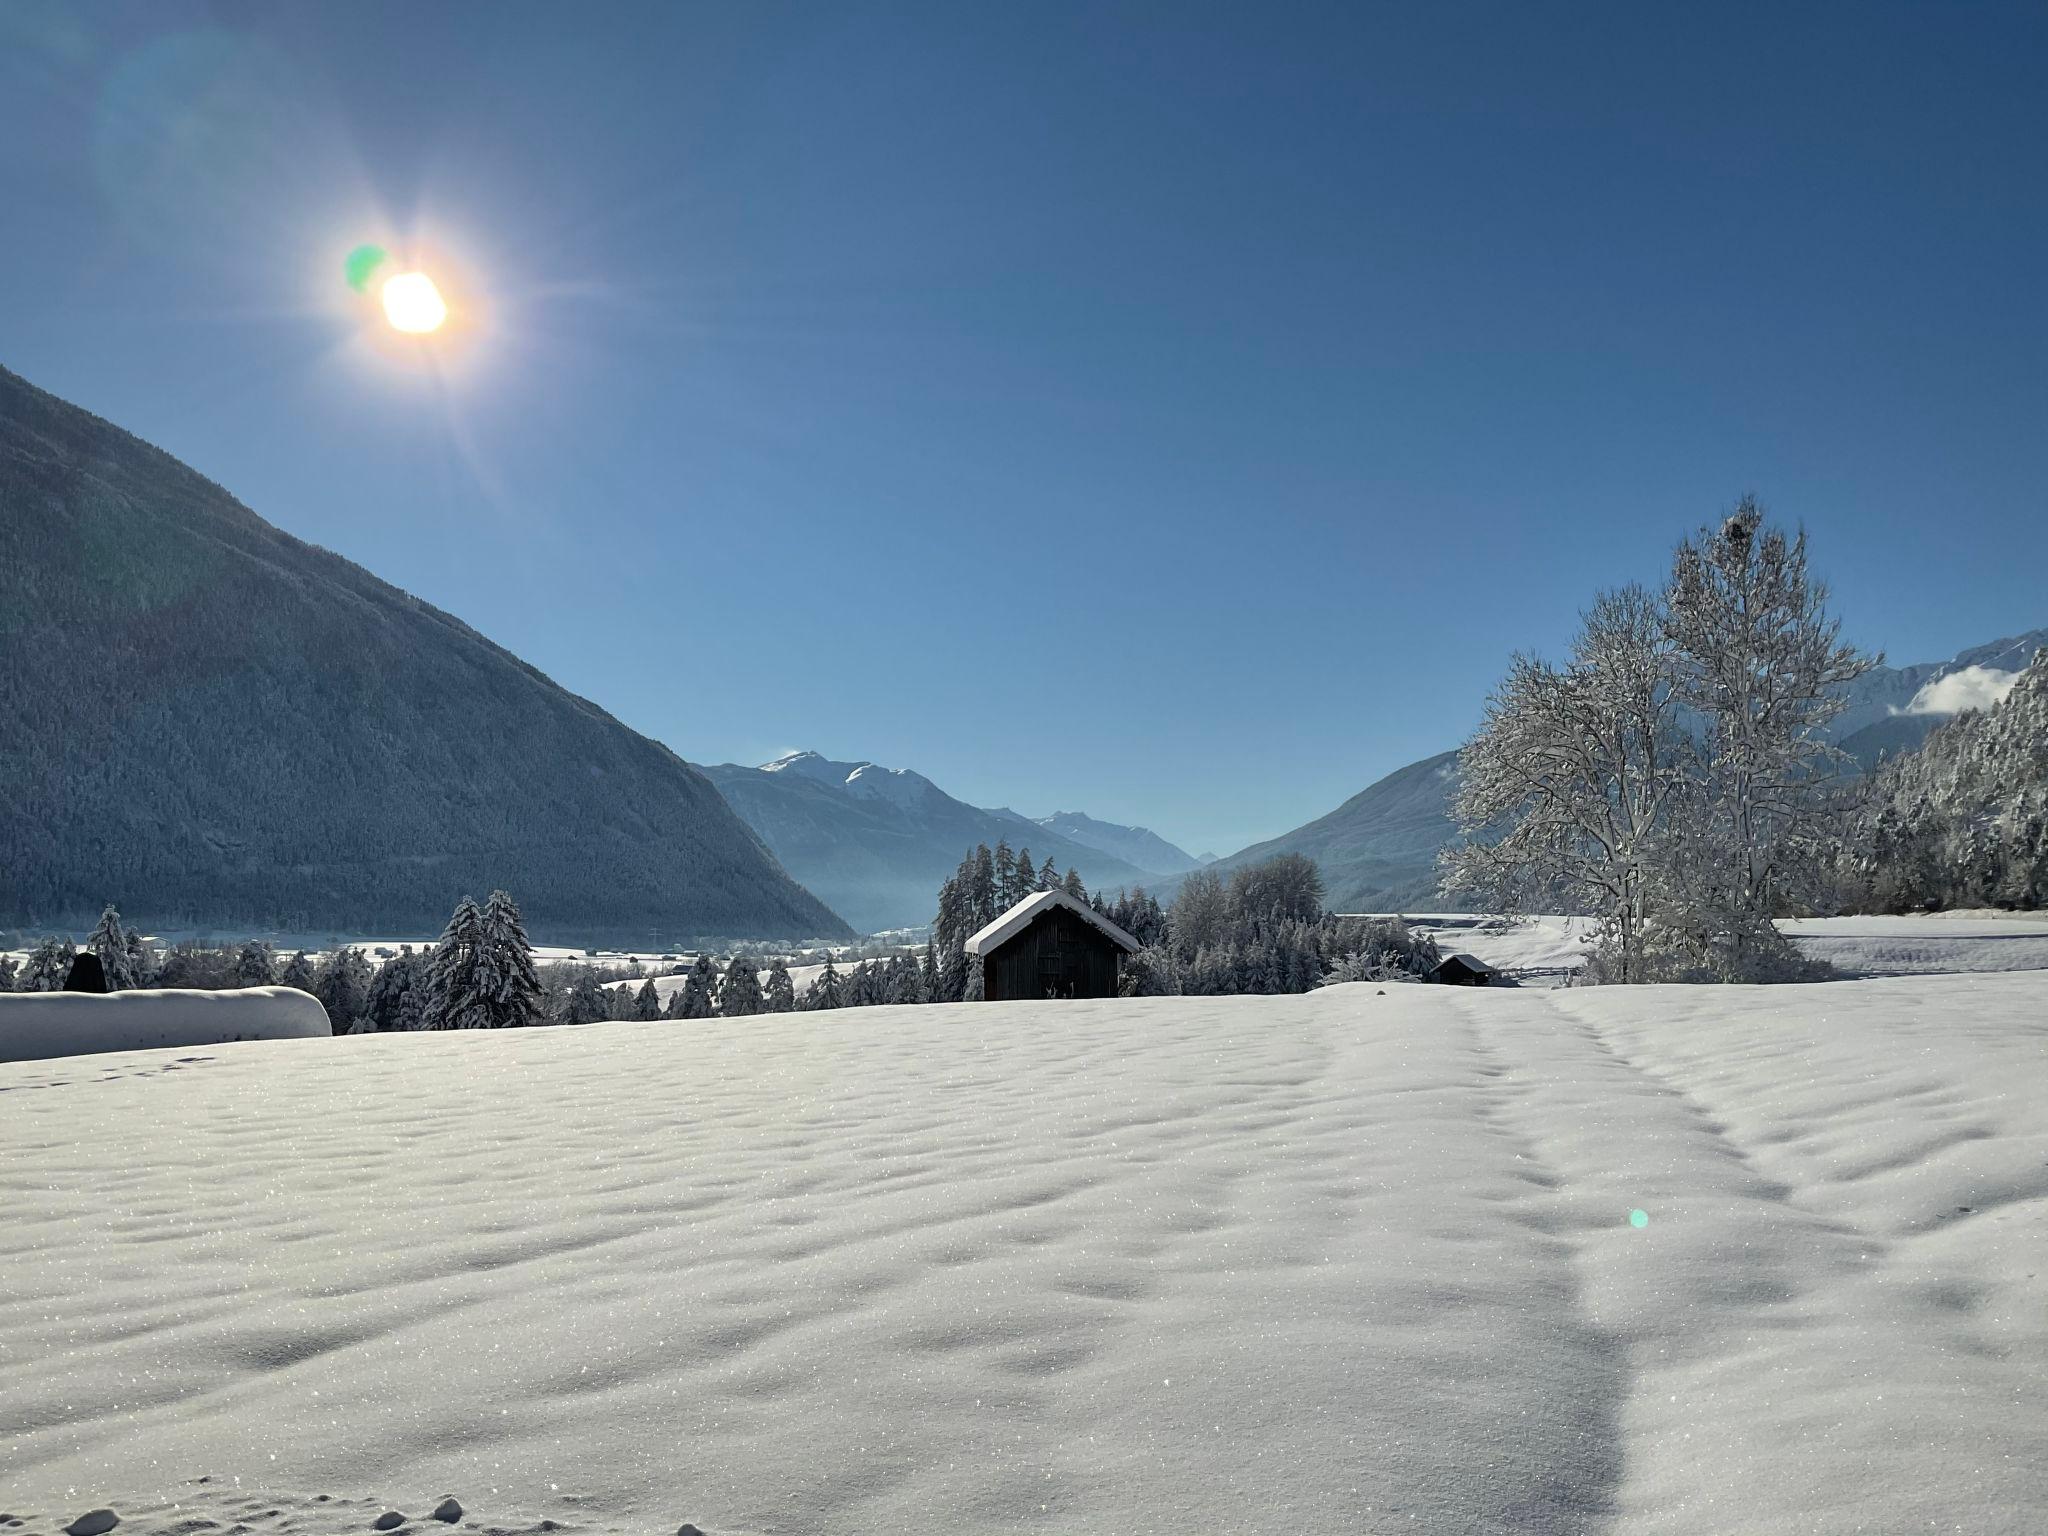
x: 1464, y: 971
x: 1050, y: 945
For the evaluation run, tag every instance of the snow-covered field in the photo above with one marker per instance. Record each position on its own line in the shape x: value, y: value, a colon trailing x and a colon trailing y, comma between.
x: 1940, y: 943
x: 1355, y: 1261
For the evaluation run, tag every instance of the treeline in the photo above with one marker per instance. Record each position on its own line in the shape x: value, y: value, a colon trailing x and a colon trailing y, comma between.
x: 1263, y: 931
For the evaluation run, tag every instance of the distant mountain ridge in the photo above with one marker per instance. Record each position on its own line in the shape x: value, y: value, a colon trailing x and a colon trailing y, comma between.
x: 216, y: 725
x: 1377, y: 850
x: 1140, y: 846
x: 876, y: 843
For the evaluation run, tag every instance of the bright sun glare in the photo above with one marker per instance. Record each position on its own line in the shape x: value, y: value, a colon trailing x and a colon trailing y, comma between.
x: 413, y: 304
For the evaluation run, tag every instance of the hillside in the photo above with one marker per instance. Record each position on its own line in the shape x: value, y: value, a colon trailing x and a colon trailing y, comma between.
x: 1377, y: 850
x: 875, y: 843
x: 214, y: 724
x: 1340, y: 1262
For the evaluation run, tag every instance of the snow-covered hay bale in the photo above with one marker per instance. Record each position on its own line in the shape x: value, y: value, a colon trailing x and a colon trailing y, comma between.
x: 38, y: 1025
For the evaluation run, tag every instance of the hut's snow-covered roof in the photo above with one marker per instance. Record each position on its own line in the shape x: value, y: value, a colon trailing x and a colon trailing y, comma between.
x: 1471, y: 963
x: 1021, y: 916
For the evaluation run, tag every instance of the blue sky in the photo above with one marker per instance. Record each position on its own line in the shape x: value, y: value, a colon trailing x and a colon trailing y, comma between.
x: 1175, y: 413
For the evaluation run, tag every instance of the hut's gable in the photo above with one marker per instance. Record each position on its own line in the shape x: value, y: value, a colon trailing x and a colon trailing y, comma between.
x: 1050, y: 945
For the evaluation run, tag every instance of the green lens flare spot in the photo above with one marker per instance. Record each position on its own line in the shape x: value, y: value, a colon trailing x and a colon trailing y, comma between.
x: 362, y: 265
x: 1639, y: 1218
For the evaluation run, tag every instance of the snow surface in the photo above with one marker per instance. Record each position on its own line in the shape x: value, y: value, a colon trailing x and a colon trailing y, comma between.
x: 40, y: 1025
x: 1355, y: 1261
x: 1939, y: 943
x: 800, y: 979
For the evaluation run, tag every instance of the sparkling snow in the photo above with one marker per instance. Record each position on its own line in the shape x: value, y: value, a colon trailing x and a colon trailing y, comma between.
x: 1356, y: 1261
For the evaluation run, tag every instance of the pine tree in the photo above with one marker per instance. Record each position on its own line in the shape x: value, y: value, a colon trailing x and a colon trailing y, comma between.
x: 459, y: 978
x: 740, y: 994
x: 8, y: 973
x: 1003, y: 872
x: 1073, y: 887
x: 342, y: 983
x: 142, y: 965
x: 385, y: 1007
x: 48, y: 965
x: 298, y: 974
x: 1049, y: 876
x: 981, y: 889
x: 928, y: 974
x: 698, y: 989
x: 513, y: 986
x: 950, y: 930
x: 827, y: 991
x: 646, y: 1001
x: 586, y: 1002
x: 781, y: 993
x: 1023, y: 876
x: 255, y: 965
x: 109, y: 940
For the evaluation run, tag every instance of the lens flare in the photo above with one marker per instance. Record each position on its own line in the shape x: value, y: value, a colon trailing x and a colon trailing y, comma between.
x: 413, y: 304
x: 361, y: 265
x: 1639, y: 1218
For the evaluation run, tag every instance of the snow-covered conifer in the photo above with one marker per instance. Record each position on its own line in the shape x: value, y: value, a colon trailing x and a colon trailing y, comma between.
x: 255, y: 965
x: 512, y: 986
x: 780, y: 996
x: 109, y: 940
x: 740, y: 993
x: 698, y: 990
x: 459, y: 975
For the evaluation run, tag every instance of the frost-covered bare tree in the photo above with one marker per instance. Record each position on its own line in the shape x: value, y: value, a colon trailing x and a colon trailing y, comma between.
x: 1674, y: 777
x: 1564, y: 791
x: 1760, y: 670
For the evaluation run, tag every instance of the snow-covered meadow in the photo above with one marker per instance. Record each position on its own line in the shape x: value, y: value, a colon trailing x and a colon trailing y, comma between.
x: 1931, y: 944
x: 1351, y: 1261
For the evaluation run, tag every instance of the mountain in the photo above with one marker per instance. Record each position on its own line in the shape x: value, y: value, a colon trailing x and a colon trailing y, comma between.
x: 1138, y: 846
x: 1886, y: 693
x: 1378, y: 849
x: 213, y: 724
x: 876, y: 843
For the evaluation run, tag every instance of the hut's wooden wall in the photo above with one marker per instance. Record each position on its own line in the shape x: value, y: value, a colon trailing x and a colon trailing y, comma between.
x: 1059, y: 954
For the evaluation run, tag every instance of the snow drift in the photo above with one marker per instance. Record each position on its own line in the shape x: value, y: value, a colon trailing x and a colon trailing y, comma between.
x: 35, y: 1026
x: 1342, y: 1262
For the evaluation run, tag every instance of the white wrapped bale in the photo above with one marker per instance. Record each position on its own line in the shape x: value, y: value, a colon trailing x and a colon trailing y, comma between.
x: 37, y: 1025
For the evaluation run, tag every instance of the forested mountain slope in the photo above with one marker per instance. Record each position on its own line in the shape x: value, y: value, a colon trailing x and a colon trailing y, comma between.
x: 212, y: 723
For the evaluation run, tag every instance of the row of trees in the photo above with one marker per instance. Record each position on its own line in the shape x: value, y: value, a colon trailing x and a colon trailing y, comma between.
x: 1261, y: 931
x: 1673, y: 777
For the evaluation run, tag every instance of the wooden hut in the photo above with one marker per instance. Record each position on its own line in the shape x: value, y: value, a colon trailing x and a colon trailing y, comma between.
x: 1465, y: 971
x: 1050, y: 945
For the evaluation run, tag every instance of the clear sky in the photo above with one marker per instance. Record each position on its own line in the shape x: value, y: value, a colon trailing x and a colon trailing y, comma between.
x: 1175, y: 413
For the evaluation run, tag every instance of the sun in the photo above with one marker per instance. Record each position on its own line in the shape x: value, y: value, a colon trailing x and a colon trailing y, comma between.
x: 413, y: 304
